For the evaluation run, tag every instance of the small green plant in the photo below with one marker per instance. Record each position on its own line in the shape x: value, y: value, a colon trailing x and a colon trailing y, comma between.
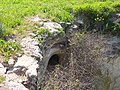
x: 44, y: 31
x: 2, y: 30
x: 61, y: 30
x: 42, y: 34
x: 8, y: 48
x: 2, y: 78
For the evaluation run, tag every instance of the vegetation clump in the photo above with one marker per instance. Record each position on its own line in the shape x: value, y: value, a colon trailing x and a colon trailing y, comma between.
x: 12, y: 13
x: 99, y: 16
x: 2, y: 78
x: 8, y: 48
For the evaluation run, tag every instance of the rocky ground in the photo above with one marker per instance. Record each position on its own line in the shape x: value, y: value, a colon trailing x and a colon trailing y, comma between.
x: 22, y: 68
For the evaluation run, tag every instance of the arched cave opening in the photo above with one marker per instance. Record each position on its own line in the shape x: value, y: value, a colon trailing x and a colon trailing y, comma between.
x: 54, y: 60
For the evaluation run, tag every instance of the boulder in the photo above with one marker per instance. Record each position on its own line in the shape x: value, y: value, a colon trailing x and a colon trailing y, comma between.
x: 51, y: 26
x: 25, y: 61
x: 27, y: 65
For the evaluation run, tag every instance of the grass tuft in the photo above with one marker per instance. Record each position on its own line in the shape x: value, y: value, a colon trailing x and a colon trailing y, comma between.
x: 2, y: 78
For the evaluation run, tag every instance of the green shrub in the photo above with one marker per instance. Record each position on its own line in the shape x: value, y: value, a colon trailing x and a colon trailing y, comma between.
x: 97, y: 16
x: 8, y: 48
x: 2, y: 30
x: 43, y: 33
x: 2, y: 78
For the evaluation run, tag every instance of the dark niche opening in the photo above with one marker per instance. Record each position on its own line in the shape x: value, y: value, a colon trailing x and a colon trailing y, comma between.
x: 54, y: 60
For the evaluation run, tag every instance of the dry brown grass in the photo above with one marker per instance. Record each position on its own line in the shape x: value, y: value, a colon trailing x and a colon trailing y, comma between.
x: 79, y: 72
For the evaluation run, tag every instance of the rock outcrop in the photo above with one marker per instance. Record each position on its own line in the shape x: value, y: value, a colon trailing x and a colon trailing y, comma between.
x: 26, y: 70
x: 23, y: 71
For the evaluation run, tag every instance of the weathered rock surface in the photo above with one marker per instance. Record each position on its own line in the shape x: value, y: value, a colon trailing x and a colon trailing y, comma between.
x: 109, y: 65
x: 16, y: 86
x: 30, y: 46
x: 4, y: 88
x: 51, y: 26
x: 11, y: 63
x: 2, y: 69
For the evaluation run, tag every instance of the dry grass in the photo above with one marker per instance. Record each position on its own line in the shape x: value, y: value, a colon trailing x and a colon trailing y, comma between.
x: 79, y: 72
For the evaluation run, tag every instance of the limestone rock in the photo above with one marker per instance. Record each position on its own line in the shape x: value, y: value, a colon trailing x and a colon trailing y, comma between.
x: 118, y: 14
x: 25, y: 61
x: 26, y: 64
x: 14, y: 77
x: 1, y: 66
x: 16, y: 86
x: 32, y: 69
x: 11, y: 62
x: 30, y: 46
x: 2, y: 69
x: 52, y: 26
x: 19, y: 54
x: 4, y: 88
